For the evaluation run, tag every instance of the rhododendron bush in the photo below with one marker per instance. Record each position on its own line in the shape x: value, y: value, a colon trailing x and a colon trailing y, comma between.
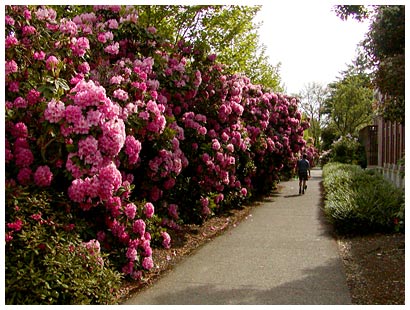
x: 140, y: 135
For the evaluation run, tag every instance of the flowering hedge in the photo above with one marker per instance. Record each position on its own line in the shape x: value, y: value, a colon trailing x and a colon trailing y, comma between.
x: 140, y: 135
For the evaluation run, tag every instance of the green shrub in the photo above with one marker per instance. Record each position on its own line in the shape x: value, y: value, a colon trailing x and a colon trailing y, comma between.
x: 361, y: 201
x: 348, y: 150
x: 46, y: 262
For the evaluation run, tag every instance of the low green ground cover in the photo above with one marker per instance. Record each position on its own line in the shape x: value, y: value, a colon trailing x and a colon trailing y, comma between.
x: 359, y: 201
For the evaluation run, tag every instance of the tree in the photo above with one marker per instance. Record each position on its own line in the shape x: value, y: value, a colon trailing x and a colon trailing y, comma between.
x: 328, y: 136
x: 358, y: 12
x: 384, y: 49
x: 312, y: 99
x: 350, y: 104
x: 385, y: 45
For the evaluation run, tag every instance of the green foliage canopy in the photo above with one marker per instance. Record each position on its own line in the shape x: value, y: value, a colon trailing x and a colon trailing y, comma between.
x: 358, y: 12
x: 350, y: 104
x: 384, y: 46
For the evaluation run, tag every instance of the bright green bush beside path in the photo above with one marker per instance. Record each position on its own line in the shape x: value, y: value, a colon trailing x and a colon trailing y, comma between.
x: 360, y: 201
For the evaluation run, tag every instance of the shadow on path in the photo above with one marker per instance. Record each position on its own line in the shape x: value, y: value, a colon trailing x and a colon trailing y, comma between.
x: 290, y: 196
x: 310, y: 289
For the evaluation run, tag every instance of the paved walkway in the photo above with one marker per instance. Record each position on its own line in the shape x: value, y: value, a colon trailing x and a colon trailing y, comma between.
x: 280, y: 255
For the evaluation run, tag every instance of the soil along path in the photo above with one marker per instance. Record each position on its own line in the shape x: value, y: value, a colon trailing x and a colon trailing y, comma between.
x: 281, y: 255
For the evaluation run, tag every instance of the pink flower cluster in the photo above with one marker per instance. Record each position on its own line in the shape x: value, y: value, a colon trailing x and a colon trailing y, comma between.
x: 93, y: 248
x: 43, y: 176
x: 132, y: 149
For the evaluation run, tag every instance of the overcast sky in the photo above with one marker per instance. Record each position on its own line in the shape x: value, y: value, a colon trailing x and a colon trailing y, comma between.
x: 310, y: 41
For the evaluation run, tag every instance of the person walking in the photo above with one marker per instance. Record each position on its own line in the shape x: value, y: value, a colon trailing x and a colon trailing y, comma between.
x: 303, y: 168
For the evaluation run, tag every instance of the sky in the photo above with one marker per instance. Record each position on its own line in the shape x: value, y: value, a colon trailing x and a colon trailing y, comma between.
x: 309, y: 40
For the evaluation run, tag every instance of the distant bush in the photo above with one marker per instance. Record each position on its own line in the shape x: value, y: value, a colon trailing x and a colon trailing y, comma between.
x: 361, y: 201
x: 347, y: 150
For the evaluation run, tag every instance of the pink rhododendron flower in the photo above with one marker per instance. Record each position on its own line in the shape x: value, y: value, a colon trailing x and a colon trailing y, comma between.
x: 11, y: 67
x: 156, y: 193
x: 55, y: 111
x: 43, y: 176
x: 46, y: 14
x: 68, y: 27
x: 120, y: 94
x: 24, y: 176
x: 51, y: 62
x: 166, y: 242
x: 169, y: 183
x: 20, y: 102
x: 79, y: 46
x: 113, y: 204
x: 131, y: 254
x: 11, y: 41
x: 88, y: 94
x: 128, y: 268
x: 27, y: 14
x: 205, y: 211
x: 36, y: 216
x: 101, y: 37
x: 88, y: 151
x: 24, y: 157
x: 151, y: 29
x: 173, y: 211
x: 9, y: 237
x: 14, y: 86
x: 112, y: 49
x: 136, y: 275
x: 17, y: 225
x: 132, y: 149
x: 39, y: 55
x: 149, y: 210
x: 219, y: 198
x: 109, y: 36
x: 215, y: 145
x: 9, y: 20
x: 20, y: 130
x: 113, y: 137
x: 147, y: 263
x: 130, y: 210
x: 147, y: 236
x: 84, y: 67
x: 28, y: 30
x: 146, y: 247
x: 72, y: 167
x: 139, y: 227
x: 21, y: 142
x: 118, y: 79
x: 93, y: 246
x: 118, y: 229
x: 101, y: 236
x: 244, y: 191
x: 110, y: 180
x: 9, y: 155
x: 94, y: 117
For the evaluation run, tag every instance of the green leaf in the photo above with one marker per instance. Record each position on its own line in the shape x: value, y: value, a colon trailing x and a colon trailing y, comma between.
x: 62, y: 83
x: 70, y: 148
